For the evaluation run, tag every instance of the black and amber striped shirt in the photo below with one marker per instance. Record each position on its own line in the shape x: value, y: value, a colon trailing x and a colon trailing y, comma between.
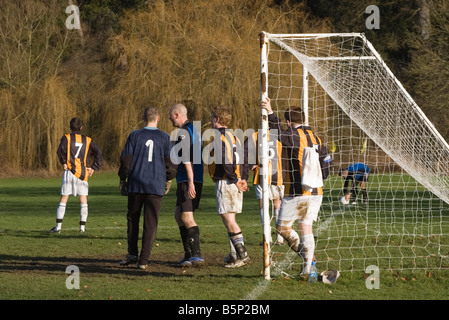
x: 294, y: 140
x: 276, y: 177
x: 229, y: 164
x: 75, y: 150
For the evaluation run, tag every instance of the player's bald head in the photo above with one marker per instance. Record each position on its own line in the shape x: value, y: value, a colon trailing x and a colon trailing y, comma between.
x: 179, y: 108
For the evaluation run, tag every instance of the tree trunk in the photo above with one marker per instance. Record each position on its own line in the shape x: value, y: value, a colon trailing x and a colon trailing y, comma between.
x: 424, y: 18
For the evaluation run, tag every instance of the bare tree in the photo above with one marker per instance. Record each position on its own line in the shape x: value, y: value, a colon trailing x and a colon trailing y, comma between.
x: 424, y: 18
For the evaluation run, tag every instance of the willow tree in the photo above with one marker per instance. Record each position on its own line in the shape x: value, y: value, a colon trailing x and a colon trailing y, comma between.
x: 32, y: 45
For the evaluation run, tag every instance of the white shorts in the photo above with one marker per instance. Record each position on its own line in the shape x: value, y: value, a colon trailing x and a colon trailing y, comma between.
x: 274, y: 192
x: 304, y: 209
x: 72, y: 186
x: 229, y: 197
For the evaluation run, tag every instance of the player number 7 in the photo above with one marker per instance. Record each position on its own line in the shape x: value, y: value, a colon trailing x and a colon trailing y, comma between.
x: 79, y: 145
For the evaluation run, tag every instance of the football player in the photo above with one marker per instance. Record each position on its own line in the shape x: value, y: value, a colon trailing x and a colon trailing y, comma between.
x: 189, y: 179
x: 74, y: 150
x: 145, y: 166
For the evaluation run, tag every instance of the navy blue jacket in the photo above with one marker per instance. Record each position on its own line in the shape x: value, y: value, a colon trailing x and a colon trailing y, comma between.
x: 145, y: 161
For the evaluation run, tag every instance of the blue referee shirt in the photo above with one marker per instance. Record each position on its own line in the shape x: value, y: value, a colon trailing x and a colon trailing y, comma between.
x: 191, y: 143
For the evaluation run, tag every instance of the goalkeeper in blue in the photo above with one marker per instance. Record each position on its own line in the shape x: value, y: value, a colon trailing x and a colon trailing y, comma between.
x: 357, y: 173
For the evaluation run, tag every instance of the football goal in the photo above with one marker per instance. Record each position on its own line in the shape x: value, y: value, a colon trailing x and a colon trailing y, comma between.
x: 363, y: 114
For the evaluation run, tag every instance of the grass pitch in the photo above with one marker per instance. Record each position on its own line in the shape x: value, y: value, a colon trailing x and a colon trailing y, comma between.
x: 33, y: 263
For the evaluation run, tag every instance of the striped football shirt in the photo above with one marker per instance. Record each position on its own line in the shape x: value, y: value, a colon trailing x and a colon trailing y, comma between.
x: 75, y: 150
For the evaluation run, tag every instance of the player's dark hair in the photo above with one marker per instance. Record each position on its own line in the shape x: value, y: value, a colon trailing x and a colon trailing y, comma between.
x: 150, y: 114
x: 76, y: 124
x: 295, y: 114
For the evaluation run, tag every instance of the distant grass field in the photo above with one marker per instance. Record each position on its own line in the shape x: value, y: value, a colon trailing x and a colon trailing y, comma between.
x: 33, y: 263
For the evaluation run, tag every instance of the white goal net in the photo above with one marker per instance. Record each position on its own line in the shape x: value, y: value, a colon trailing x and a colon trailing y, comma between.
x: 355, y: 104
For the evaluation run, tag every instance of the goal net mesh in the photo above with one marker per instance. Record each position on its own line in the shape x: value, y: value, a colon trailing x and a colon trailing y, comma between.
x: 363, y: 114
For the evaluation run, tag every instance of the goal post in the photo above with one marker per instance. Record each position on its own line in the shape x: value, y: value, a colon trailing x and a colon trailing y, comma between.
x: 363, y: 113
x: 264, y: 152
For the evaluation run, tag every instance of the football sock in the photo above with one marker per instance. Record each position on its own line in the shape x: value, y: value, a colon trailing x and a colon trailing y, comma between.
x: 280, y: 239
x: 238, y: 244
x: 193, y: 236
x: 276, y: 214
x: 365, y: 195
x: 60, y: 212
x: 83, y: 216
x: 309, y: 248
x: 293, y: 241
x: 232, y: 252
x: 185, y: 242
x: 354, y: 191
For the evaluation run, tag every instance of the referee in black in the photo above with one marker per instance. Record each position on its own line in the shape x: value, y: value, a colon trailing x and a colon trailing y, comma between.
x: 145, y: 167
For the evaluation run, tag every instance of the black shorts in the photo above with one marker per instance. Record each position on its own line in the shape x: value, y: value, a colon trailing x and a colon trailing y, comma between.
x: 182, y: 196
x: 363, y: 177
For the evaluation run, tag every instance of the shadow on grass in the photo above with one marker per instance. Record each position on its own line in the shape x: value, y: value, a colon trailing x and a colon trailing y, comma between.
x: 25, y: 264
x: 158, y: 266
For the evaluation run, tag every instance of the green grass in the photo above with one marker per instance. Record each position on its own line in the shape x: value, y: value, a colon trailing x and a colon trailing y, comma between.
x: 33, y: 263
